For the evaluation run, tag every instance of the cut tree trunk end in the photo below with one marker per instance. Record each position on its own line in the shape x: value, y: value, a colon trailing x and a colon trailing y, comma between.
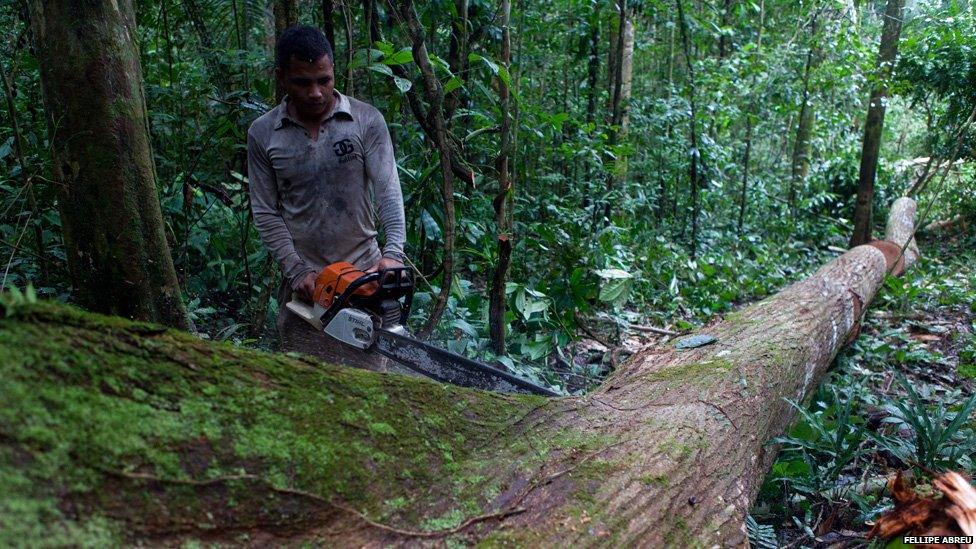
x: 153, y: 436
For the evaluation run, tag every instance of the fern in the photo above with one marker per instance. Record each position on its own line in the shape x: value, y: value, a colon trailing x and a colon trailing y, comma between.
x: 761, y: 536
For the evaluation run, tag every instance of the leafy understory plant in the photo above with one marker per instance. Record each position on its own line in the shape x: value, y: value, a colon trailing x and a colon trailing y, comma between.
x: 14, y: 298
x: 827, y: 439
x: 940, y: 438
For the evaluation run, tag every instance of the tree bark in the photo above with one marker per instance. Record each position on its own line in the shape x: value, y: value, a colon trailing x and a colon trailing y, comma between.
x: 668, y: 132
x: 328, y: 23
x: 623, y: 67
x: 622, y: 103
x: 723, y: 41
x: 165, y: 438
x: 593, y: 62
x: 694, y: 157
x: 874, y: 124
x: 800, y: 166
x: 751, y: 111
x: 118, y: 257
x: 285, y: 15
x: 615, y: 63
x: 350, y: 83
x: 502, y: 201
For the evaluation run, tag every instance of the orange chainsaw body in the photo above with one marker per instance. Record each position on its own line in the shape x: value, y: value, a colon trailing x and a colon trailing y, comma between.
x: 335, y: 278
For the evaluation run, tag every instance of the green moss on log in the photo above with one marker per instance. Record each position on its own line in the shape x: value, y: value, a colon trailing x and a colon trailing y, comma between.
x: 691, y: 373
x: 217, y: 437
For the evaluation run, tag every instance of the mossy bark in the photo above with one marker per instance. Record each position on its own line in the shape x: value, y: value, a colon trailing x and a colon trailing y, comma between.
x: 118, y: 257
x: 112, y: 430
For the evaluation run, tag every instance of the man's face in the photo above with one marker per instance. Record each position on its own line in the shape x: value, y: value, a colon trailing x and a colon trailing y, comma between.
x: 309, y: 85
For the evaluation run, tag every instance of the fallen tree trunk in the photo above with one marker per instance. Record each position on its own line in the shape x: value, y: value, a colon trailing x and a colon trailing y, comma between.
x: 119, y: 431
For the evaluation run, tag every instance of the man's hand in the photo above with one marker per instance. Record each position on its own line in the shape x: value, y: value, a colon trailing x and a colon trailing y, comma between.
x: 385, y: 263
x: 306, y: 289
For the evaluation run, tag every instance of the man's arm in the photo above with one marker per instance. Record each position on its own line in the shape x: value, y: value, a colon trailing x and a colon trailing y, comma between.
x: 267, y: 219
x: 382, y: 171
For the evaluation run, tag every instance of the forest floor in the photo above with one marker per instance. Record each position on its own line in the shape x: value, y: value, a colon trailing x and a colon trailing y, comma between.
x: 887, y: 406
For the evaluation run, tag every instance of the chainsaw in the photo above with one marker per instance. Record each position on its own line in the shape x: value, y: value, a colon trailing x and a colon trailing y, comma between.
x: 363, y: 310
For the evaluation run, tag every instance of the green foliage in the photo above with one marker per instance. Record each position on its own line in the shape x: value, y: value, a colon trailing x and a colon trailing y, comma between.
x: 587, y: 204
x: 14, y: 299
x: 967, y: 356
x: 823, y: 442
x: 937, y: 69
x: 942, y: 436
x: 762, y: 536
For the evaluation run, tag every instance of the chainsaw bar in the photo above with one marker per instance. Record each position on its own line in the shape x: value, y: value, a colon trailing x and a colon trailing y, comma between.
x: 447, y: 367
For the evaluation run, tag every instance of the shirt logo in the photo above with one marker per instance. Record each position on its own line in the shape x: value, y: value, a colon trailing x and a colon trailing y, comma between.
x: 342, y: 147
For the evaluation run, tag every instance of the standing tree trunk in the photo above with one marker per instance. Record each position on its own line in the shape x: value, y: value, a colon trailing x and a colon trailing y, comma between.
x: 669, y: 451
x: 723, y: 41
x: 622, y: 110
x: 350, y: 84
x: 117, y: 253
x: 747, y: 158
x: 614, y: 44
x: 750, y: 113
x: 458, y: 56
x: 620, y: 98
x: 874, y: 124
x: 593, y: 62
x: 800, y: 166
x: 592, y: 94
x: 668, y: 132
x: 285, y: 15
x: 617, y: 40
x: 503, y: 200
x: 695, y: 174
x: 328, y: 24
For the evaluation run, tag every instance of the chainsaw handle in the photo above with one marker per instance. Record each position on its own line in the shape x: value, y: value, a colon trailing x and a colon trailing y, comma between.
x: 342, y: 300
x: 400, y: 283
x: 402, y: 280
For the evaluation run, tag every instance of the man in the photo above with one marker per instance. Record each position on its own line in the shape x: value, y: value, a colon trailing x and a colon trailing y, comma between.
x: 312, y: 163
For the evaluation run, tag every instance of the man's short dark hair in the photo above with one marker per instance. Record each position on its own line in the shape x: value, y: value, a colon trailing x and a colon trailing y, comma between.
x: 303, y: 42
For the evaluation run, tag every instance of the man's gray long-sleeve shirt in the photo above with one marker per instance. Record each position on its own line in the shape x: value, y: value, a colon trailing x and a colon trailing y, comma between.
x: 311, y: 199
